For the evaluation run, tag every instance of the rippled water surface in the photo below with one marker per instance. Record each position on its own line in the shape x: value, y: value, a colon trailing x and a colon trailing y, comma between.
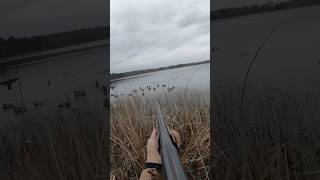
x: 50, y: 85
x: 167, y: 81
x: 289, y: 60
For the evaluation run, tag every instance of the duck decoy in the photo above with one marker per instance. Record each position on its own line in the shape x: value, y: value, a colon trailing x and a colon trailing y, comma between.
x: 9, y: 83
x: 64, y: 105
x: 106, y: 103
x: 97, y: 83
x: 37, y: 104
x: 7, y: 106
x: 80, y: 93
x: 67, y: 104
x: 104, y: 90
x: 19, y: 110
x: 65, y: 74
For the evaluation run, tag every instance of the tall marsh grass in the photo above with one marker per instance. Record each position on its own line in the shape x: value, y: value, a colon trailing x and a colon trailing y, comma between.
x: 66, y: 144
x: 274, y: 137
x: 132, y: 120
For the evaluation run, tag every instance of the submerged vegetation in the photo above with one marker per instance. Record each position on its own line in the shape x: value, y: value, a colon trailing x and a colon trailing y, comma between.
x: 273, y: 137
x: 132, y: 120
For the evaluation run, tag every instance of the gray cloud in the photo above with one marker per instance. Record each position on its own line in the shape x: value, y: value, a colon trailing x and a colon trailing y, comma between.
x: 31, y: 17
x: 153, y: 33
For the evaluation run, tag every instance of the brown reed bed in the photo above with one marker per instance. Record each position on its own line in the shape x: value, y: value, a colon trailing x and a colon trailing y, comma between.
x: 132, y: 120
x: 275, y: 136
x: 66, y: 144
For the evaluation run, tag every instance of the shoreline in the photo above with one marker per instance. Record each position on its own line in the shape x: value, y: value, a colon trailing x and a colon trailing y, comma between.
x: 129, y: 77
x: 138, y: 73
x: 149, y: 73
x: 14, y: 62
x: 216, y: 16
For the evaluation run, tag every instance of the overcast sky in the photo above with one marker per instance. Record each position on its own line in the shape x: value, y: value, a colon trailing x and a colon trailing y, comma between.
x: 32, y: 17
x: 155, y: 33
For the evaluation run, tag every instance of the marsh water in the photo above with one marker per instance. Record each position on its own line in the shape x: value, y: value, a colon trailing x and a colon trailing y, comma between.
x: 193, y: 78
x: 55, y: 83
x: 66, y: 81
x: 289, y: 61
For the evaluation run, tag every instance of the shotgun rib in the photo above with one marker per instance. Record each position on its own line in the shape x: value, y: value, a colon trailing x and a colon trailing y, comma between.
x: 171, y: 164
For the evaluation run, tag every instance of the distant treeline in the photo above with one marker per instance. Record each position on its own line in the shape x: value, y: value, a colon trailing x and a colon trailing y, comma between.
x: 133, y: 73
x: 14, y: 46
x: 241, y: 11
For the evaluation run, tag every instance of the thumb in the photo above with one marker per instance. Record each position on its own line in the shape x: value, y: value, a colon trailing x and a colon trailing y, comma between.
x: 154, y: 134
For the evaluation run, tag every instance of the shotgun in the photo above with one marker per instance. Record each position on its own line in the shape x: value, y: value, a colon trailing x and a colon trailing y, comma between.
x: 171, y: 163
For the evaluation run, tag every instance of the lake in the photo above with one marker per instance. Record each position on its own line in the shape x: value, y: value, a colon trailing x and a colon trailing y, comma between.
x: 193, y: 78
x: 56, y: 83
x: 289, y: 60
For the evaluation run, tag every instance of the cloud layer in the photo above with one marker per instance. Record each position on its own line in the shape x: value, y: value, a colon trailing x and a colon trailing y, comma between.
x: 154, y: 33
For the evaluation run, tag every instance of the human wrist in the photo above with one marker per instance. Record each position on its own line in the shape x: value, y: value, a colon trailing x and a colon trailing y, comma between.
x: 154, y: 158
x: 149, y: 165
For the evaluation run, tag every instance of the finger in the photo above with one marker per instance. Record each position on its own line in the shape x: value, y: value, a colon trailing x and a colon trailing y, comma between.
x: 176, y: 137
x: 154, y: 134
x: 173, y: 137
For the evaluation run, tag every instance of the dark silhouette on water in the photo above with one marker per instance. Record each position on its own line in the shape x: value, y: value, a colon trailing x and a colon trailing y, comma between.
x: 7, y: 106
x: 106, y: 103
x: 37, y: 104
x: 104, y: 90
x: 65, y: 74
x: 97, y: 83
x: 79, y: 93
x: 140, y: 90
x: 9, y: 83
x: 65, y: 105
x: 19, y: 110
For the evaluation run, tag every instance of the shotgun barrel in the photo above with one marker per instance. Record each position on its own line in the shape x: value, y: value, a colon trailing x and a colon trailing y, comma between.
x: 171, y: 163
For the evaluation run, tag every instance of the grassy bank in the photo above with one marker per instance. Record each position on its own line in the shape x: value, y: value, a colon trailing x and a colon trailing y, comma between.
x: 132, y: 121
x: 66, y: 144
x: 274, y: 137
